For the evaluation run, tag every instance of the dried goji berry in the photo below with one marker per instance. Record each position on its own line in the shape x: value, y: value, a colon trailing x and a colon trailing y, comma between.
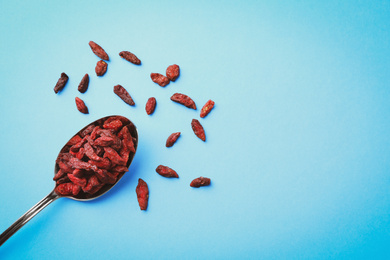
x: 207, y: 108
x: 201, y: 181
x: 93, y: 185
x: 99, y: 51
x: 61, y: 82
x: 101, y: 68
x: 159, y: 79
x: 90, y: 153
x: 78, y: 181
x: 86, y: 131
x: 104, y: 141
x: 113, y: 156
x: 172, y: 139
x: 198, y: 129
x: 130, y: 57
x: 184, y: 100
x: 142, y: 191
x: 64, y: 189
x: 83, y: 86
x: 173, y: 72
x: 114, y: 124
x: 59, y: 175
x: 81, y: 106
x: 74, y: 140
x: 124, y: 95
x: 150, y: 105
x: 79, y: 164
x: 104, y: 163
x: 165, y: 171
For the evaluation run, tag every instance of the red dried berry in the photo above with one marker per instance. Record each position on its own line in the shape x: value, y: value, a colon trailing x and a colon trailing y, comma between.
x: 130, y: 57
x: 165, y: 171
x: 201, y: 181
x: 159, y: 79
x: 173, y: 72
x: 99, y: 51
x: 83, y: 86
x: 81, y: 106
x: 124, y: 95
x: 74, y: 140
x: 184, y: 100
x: 172, y: 139
x: 61, y: 82
x: 64, y: 189
x: 112, y: 123
x: 78, y: 181
x: 150, y: 105
x: 142, y: 191
x: 206, y: 108
x: 101, y: 68
x: 198, y: 129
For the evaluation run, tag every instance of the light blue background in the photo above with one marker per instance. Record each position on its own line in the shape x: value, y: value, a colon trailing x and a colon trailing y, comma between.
x: 297, y: 146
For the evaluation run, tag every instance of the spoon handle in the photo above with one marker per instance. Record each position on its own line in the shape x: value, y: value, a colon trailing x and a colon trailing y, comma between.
x: 52, y: 196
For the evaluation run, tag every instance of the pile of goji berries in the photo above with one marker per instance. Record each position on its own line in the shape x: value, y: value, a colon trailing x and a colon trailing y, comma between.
x: 97, y: 157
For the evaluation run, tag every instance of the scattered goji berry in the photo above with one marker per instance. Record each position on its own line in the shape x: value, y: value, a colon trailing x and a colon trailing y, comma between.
x: 207, y: 108
x: 150, y: 105
x: 201, y: 181
x: 101, y: 68
x: 165, y: 171
x: 99, y: 51
x: 184, y: 100
x: 159, y: 79
x: 61, y: 82
x: 83, y: 86
x: 130, y: 57
x: 124, y: 95
x: 81, y: 106
x: 172, y: 139
x: 173, y: 72
x: 198, y: 129
x: 142, y: 191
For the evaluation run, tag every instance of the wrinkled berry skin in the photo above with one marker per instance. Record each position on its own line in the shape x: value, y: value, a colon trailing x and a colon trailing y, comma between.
x: 81, y: 106
x: 150, y: 105
x: 201, y: 181
x: 61, y: 82
x: 207, y: 108
x: 83, y: 86
x: 99, y: 51
x: 130, y: 57
x: 124, y: 95
x: 101, y: 68
x: 184, y: 100
x: 172, y: 139
x: 198, y: 129
x: 160, y: 79
x: 142, y: 191
x: 173, y: 72
x: 167, y: 172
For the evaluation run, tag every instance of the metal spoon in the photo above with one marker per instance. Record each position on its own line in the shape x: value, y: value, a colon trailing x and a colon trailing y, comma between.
x: 52, y: 196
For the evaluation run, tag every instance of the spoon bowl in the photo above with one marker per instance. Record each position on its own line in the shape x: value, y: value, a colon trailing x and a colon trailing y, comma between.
x: 83, y: 194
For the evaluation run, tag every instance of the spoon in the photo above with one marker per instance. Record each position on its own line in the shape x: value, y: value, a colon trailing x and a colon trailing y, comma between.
x: 81, y: 196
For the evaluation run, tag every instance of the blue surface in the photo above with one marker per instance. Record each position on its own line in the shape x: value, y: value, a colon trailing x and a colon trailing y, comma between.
x: 297, y: 146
